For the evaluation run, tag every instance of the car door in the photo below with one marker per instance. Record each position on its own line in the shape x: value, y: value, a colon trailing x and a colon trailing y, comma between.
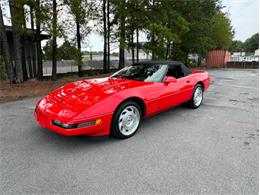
x: 185, y: 89
x: 173, y: 94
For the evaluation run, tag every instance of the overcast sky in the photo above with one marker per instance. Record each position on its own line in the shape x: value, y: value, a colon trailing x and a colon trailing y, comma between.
x: 244, y: 15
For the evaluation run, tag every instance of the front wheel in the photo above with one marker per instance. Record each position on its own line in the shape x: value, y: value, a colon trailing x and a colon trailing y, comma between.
x: 197, y: 97
x: 126, y: 120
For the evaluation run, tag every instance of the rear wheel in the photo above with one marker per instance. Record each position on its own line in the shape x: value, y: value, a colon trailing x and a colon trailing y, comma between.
x: 126, y: 120
x: 197, y: 97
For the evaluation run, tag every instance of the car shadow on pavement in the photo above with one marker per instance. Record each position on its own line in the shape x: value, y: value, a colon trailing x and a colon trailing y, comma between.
x: 62, y: 142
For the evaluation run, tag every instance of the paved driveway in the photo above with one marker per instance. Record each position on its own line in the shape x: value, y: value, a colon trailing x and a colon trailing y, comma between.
x: 210, y: 150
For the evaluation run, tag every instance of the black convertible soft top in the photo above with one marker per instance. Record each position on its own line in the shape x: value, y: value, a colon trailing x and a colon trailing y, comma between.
x: 185, y: 69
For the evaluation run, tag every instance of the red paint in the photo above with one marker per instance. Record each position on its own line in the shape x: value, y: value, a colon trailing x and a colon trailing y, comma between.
x: 218, y: 58
x: 88, y: 100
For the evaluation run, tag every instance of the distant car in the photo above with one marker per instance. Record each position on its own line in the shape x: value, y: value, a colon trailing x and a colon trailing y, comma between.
x: 116, y: 105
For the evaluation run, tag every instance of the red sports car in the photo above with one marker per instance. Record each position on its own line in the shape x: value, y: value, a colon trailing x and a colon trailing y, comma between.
x: 116, y: 105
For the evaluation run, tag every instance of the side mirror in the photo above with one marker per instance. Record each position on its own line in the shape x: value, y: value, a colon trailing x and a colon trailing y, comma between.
x: 170, y: 80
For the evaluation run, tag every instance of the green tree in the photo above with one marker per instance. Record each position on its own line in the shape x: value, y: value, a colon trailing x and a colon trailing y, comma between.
x: 16, y: 10
x: 66, y: 51
x: 165, y: 25
x: 47, y: 50
x: 236, y: 46
x: 47, y: 14
x: 31, y: 4
x: 43, y: 21
x: 39, y: 18
x: 221, y: 31
x: 81, y: 11
x: 116, y: 27
x: 173, y: 29
x: 252, y: 43
x: 135, y: 22
x: 197, y: 38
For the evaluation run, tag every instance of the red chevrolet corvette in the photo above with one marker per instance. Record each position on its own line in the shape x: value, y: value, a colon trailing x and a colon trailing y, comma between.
x: 116, y: 105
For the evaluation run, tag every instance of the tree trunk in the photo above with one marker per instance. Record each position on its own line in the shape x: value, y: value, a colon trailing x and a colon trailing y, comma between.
x: 54, y: 41
x: 90, y: 55
x: 153, y: 36
x: 105, y: 37
x: 121, y: 58
x: 132, y: 46
x: 167, y: 51
x: 122, y: 43
x: 122, y: 40
x: 23, y: 50
x: 38, y: 42
x: 79, y: 48
x: 32, y: 46
x: 108, y: 36
x: 137, y: 45
x: 34, y: 57
x: 6, y: 51
x: 25, y: 63
x: 199, y: 60
x: 17, y: 42
x: 28, y: 58
x: 153, y: 43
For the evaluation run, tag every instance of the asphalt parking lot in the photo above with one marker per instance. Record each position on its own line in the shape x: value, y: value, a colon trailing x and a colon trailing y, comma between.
x: 210, y: 150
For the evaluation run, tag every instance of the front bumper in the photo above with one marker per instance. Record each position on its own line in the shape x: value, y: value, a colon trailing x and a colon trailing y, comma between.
x: 103, y: 128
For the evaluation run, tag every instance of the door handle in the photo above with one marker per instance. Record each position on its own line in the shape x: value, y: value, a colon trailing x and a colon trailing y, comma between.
x: 188, y: 81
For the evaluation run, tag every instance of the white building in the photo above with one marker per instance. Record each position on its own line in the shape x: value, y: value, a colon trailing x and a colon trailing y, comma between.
x: 242, y: 57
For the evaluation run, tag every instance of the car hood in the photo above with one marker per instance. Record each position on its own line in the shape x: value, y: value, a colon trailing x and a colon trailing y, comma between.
x: 73, y: 98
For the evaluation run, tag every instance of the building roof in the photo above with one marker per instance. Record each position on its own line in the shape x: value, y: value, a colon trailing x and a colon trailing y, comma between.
x: 9, y: 29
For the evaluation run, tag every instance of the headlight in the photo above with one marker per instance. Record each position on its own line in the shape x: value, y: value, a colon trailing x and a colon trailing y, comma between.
x: 63, y: 125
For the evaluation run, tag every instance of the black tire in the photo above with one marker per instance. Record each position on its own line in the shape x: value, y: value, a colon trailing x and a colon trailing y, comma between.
x: 114, y: 129
x: 191, y: 103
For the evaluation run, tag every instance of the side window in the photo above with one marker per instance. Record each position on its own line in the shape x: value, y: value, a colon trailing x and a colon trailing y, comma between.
x: 155, y: 73
x: 175, y: 71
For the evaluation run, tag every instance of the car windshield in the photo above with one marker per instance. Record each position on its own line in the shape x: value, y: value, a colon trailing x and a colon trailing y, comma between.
x: 142, y: 72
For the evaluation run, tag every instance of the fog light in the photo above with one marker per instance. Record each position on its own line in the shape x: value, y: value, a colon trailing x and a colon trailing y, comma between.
x: 90, y: 123
x: 86, y: 124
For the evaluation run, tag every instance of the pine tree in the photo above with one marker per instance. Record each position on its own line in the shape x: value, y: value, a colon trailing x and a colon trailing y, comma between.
x: 82, y: 12
x: 15, y: 10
